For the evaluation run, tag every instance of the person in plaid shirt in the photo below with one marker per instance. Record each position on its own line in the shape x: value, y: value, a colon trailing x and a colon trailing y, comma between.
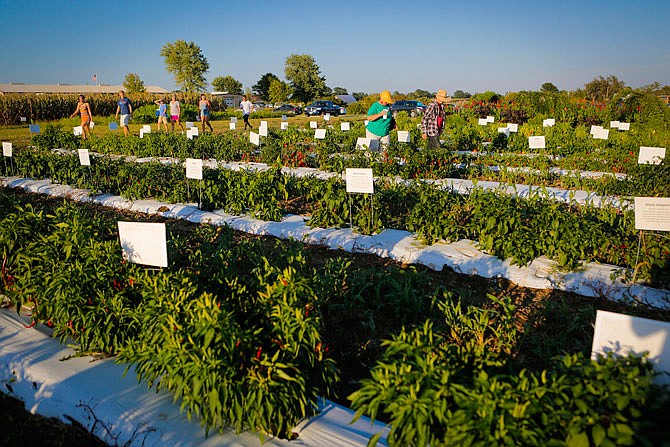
x: 433, y: 120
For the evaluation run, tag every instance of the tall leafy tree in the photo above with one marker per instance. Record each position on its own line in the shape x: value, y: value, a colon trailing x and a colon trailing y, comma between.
x: 262, y: 87
x: 185, y: 61
x: 305, y: 77
x: 133, y: 84
x: 549, y: 87
x: 340, y: 91
x: 603, y: 89
x: 227, y: 84
x: 279, y: 91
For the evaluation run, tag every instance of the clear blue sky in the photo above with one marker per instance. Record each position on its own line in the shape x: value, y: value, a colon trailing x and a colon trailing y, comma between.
x: 362, y: 46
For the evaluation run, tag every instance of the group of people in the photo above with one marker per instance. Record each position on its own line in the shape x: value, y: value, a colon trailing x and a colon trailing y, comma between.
x: 380, y: 120
x: 379, y: 124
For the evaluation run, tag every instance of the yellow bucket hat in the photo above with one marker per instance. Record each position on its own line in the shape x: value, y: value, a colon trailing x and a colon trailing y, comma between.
x: 385, y: 96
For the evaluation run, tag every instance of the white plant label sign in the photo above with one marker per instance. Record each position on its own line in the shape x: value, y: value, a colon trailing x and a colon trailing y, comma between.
x: 189, y: 124
x: 84, y: 159
x: 623, y: 334
x: 367, y: 143
x: 513, y: 127
x: 595, y: 130
x: 536, y: 142
x: 549, y: 122
x: 143, y: 243
x: 360, y: 180
x: 233, y: 119
x: 255, y: 138
x: 504, y: 130
x: 146, y: 128
x: 614, y: 124
x: 490, y: 119
x: 263, y: 131
x: 194, y: 168
x: 652, y: 213
x: 24, y: 119
x: 320, y: 134
x: 313, y: 125
x: 651, y: 155
x: 326, y: 117
x: 345, y: 126
x: 263, y: 124
x: 624, y: 126
x: 482, y: 121
x: 403, y: 136
x: 232, y: 126
x: 6, y: 149
x: 141, y: 133
x: 284, y: 125
x: 78, y: 131
x: 601, y: 134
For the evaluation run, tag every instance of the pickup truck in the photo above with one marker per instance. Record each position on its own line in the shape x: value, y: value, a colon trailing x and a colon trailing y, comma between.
x: 322, y: 107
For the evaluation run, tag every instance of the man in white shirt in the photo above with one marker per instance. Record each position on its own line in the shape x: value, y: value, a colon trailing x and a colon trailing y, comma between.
x: 247, y: 107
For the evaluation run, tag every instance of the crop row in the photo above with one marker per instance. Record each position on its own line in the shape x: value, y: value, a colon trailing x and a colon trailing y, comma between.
x: 245, y: 333
x: 520, y: 229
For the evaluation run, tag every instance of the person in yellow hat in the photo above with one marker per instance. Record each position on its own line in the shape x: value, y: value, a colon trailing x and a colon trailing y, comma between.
x: 380, y: 119
x: 432, y: 122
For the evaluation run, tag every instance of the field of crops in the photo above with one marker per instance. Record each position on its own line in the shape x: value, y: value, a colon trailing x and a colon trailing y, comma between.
x: 248, y: 332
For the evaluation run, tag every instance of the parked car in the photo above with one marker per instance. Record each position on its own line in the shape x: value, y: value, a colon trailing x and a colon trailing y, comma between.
x: 323, y: 107
x: 413, y: 108
x: 259, y: 105
x: 288, y: 109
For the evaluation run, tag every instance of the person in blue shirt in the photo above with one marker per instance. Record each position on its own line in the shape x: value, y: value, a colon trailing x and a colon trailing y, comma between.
x: 125, y: 108
x: 162, y: 114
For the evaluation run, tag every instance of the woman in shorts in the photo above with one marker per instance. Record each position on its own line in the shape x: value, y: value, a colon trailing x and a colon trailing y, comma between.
x: 84, y: 109
x: 205, y: 109
x: 175, y: 113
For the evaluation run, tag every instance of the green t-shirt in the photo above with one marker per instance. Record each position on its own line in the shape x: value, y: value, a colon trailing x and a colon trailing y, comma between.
x: 380, y: 127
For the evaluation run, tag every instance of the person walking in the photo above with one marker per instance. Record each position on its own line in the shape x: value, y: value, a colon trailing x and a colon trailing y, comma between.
x: 247, y: 107
x: 124, y: 107
x: 432, y: 122
x: 380, y: 121
x: 162, y: 115
x: 84, y: 109
x: 175, y: 113
x: 205, y: 109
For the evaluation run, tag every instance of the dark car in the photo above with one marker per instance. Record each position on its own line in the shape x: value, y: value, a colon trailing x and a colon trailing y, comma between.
x: 323, y: 107
x: 413, y: 108
x: 289, y: 109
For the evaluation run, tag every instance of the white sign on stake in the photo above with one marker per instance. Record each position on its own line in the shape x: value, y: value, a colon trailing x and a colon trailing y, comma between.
x: 263, y: 131
x: 142, y: 133
x: 595, y: 130
x: 6, y: 149
x: 622, y: 334
x: 113, y: 125
x: 601, y: 134
x: 549, y: 122
x: 189, y: 134
x: 504, y: 130
x: 482, y: 121
x: 367, y: 143
x: 651, y: 155
x: 84, y: 159
x: 344, y: 126
x: 652, y: 213
x: 624, y: 126
x: 194, y: 168
x: 233, y: 119
x: 320, y: 134
x: 403, y: 136
x: 614, y: 124
x: 263, y: 124
x: 143, y: 243
x: 284, y: 125
x: 255, y: 138
x: 513, y: 127
x: 195, y: 131
x: 490, y: 119
x: 23, y: 119
x: 189, y: 124
x: 146, y: 128
x: 232, y: 126
x: 536, y: 142
x: 326, y: 117
x: 360, y: 180
x: 34, y: 128
x: 313, y: 124
x: 78, y: 130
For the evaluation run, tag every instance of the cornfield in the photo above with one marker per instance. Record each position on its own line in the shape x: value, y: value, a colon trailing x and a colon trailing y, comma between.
x: 48, y: 107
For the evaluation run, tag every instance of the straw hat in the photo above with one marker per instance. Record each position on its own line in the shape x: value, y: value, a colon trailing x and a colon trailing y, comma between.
x: 442, y: 94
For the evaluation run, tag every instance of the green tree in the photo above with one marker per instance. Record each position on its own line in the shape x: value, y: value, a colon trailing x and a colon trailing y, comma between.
x: 133, y: 84
x: 420, y: 93
x: 549, y: 87
x: 340, y: 91
x: 359, y: 95
x: 461, y: 94
x: 305, y: 77
x: 227, y: 84
x: 603, y: 89
x: 185, y: 61
x: 279, y: 91
x: 262, y: 87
